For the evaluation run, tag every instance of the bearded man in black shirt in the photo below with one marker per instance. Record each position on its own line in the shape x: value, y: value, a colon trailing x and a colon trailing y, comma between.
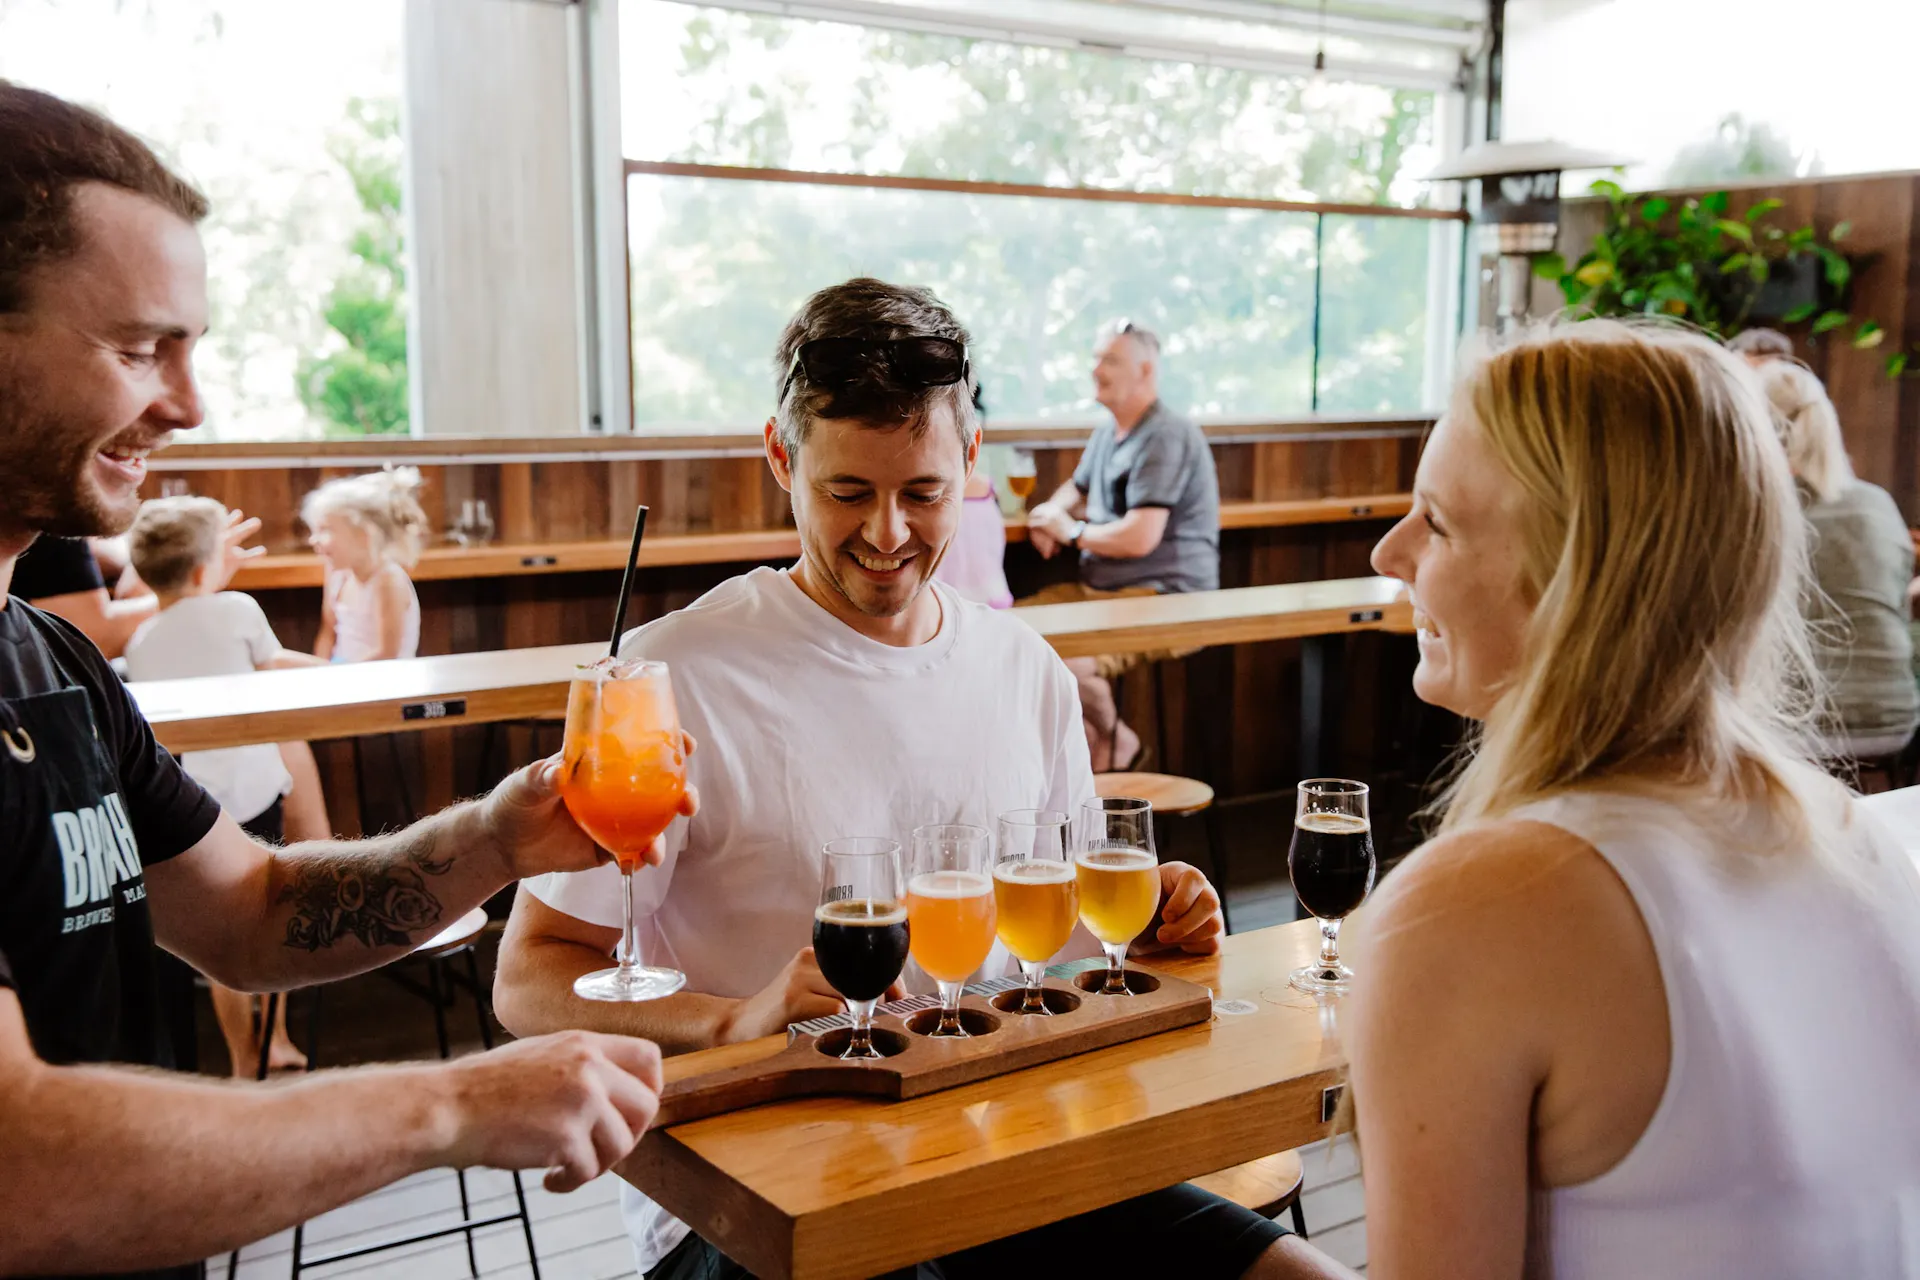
x: 109, y: 847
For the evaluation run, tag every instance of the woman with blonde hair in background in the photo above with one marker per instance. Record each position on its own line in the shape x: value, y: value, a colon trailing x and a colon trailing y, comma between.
x: 1648, y: 1004
x: 368, y: 529
x: 1862, y: 560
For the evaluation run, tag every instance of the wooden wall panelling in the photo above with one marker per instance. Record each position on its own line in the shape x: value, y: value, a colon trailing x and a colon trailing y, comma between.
x: 1882, y: 214
x: 1906, y: 472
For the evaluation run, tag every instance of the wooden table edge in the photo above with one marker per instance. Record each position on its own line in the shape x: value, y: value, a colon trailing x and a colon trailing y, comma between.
x: 894, y: 1229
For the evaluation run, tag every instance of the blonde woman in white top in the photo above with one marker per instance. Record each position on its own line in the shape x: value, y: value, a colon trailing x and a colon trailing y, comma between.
x: 368, y: 529
x: 1648, y: 1006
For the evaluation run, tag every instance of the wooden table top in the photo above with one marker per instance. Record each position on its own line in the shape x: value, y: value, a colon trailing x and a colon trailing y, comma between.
x: 473, y: 688
x: 830, y: 1188
x: 513, y: 559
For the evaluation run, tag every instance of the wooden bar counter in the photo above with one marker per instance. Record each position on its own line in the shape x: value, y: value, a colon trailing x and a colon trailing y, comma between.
x: 516, y: 559
x: 475, y: 688
x: 832, y: 1189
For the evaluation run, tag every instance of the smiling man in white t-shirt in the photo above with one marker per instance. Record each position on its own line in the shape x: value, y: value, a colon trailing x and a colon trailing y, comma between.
x: 848, y: 695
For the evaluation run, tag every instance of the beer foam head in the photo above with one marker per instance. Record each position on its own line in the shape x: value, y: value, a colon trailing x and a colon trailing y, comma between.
x: 1332, y: 824
x: 860, y: 911
x: 1120, y: 859
x: 949, y: 884
x: 1033, y: 871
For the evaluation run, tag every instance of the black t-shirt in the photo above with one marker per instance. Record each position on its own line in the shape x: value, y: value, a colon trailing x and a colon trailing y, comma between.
x: 88, y: 799
x: 56, y: 567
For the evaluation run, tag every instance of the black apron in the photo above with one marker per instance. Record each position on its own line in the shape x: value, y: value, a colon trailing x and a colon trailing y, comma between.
x: 74, y: 923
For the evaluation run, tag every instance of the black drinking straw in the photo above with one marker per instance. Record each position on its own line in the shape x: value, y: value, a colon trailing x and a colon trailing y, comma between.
x: 626, y: 581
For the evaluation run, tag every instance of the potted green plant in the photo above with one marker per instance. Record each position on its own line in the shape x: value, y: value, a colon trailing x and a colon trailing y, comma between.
x: 1691, y: 260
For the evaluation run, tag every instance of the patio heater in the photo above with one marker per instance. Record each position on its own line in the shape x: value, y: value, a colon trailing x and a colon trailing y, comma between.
x: 1519, y: 211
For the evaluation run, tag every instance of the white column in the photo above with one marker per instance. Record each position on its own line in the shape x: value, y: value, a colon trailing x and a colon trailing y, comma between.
x: 497, y: 312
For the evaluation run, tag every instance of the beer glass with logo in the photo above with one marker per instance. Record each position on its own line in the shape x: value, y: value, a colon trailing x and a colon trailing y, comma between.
x: 860, y: 929
x: 950, y: 910
x: 622, y: 776
x: 1332, y: 865
x: 1035, y: 897
x: 1118, y: 876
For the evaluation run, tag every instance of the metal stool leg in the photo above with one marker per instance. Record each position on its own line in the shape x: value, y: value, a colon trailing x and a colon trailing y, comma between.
x: 437, y: 986
x: 1217, y: 855
x: 479, y: 1001
x: 1299, y: 1220
x: 486, y: 1039
x: 409, y: 813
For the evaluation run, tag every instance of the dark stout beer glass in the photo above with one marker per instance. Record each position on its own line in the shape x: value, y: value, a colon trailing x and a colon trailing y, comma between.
x: 860, y: 929
x: 1332, y: 865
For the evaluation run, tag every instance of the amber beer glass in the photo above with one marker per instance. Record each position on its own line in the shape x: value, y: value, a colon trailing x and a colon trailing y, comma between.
x: 623, y: 773
x: 950, y: 910
x: 1119, y: 878
x: 860, y: 929
x: 1035, y: 897
x: 1021, y: 474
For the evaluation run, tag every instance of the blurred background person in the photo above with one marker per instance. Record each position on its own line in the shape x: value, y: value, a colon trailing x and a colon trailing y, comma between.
x: 1760, y: 347
x: 1143, y: 511
x: 975, y: 563
x: 175, y: 546
x: 368, y: 529
x: 1862, y: 558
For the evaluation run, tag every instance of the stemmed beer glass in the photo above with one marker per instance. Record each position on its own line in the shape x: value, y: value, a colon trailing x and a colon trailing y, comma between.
x: 860, y: 929
x: 1036, y: 898
x: 1119, y: 878
x: 623, y: 775
x: 1332, y: 865
x: 950, y: 910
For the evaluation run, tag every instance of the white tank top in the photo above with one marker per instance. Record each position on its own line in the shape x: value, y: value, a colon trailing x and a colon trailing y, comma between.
x: 356, y: 633
x: 1787, y: 1143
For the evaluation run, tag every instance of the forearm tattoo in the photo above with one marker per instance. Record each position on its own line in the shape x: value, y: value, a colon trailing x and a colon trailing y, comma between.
x: 378, y: 895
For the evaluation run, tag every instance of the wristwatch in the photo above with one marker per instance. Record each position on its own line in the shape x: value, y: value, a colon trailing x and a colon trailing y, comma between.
x: 1079, y: 527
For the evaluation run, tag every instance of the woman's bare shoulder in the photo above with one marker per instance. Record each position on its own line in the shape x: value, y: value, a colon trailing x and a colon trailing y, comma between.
x: 1518, y: 893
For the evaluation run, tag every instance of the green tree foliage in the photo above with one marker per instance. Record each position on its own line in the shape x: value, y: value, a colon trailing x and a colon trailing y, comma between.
x: 718, y: 265
x: 360, y: 388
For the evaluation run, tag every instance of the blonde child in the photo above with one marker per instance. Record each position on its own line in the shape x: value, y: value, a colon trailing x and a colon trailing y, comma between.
x: 176, y: 546
x: 368, y: 530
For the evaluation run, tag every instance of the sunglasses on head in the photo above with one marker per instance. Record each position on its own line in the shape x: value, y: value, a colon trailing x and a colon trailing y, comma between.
x: 835, y: 363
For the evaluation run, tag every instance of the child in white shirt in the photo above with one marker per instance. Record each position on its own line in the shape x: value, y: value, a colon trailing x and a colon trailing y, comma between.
x: 175, y: 546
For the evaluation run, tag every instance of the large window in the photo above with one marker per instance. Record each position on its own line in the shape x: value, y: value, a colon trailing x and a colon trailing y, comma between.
x: 288, y: 116
x: 771, y: 157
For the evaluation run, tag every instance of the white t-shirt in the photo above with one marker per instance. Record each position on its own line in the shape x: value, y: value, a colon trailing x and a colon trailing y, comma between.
x: 810, y: 731
x: 218, y: 635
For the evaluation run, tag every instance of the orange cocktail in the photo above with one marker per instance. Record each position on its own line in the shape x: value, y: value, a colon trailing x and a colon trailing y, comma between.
x: 623, y: 768
x: 623, y: 775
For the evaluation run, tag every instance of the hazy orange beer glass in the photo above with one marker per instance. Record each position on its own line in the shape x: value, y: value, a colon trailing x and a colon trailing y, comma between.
x: 623, y: 774
x: 950, y: 910
x: 1119, y: 878
x: 1036, y: 899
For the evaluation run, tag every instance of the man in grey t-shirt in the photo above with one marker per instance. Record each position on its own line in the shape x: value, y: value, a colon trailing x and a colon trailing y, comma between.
x: 1142, y: 509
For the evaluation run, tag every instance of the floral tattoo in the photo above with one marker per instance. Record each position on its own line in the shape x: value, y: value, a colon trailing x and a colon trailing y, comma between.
x: 382, y: 901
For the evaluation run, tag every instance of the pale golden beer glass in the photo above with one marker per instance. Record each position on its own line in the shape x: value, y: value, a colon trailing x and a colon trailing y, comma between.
x: 1119, y: 878
x: 1036, y: 897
